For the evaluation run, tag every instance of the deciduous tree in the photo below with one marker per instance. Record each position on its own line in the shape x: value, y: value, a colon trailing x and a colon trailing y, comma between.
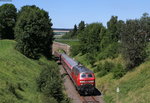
x: 133, y: 43
x: 33, y: 32
x: 8, y: 13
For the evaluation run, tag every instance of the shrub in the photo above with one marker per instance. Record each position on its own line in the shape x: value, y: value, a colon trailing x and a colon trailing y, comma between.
x: 104, y: 68
x: 111, y: 51
x: 50, y: 82
x: 118, y: 71
x: 75, y: 49
x: 90, y: 58
x: 98, y: 67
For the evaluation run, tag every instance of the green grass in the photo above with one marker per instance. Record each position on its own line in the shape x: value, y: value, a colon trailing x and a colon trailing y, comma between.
x: 134, y: 86
x: 18, y: 75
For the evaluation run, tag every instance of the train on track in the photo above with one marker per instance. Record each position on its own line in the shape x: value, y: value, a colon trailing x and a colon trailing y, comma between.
x: 83, y: 78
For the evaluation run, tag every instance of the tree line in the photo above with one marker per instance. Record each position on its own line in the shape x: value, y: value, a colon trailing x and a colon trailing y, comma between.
x: 128, y: 38
x: 30, y: 27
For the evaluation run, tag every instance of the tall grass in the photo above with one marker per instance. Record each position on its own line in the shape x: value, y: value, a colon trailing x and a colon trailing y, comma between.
x: 134, y: 86
x: 18, y: 76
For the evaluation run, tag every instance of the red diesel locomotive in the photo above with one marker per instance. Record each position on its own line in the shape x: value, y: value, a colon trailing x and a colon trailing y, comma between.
x: 83, y: 78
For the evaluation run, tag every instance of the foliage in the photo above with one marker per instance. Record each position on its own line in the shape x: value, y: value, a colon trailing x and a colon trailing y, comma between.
x: 33, y: 32
x: 133, y: 43
x: 118, y: 71
x: 81, y: 27
x: 75, y: 32
x: 148, y: 51
x: 110, y: 37
x: 114, y: 26
x: 72, y: 34
x: 111, y: 51
x: 104, y: 68
x: 145, y: 22
x: 134, y: 86
x: 90, y: 58
x: 75, y: 49
x: 8, y: 14
x: 90, y: 38
x: 50, y: 82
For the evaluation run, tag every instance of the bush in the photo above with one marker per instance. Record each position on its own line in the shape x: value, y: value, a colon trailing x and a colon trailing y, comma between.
x: 111, y: 51
x: 90, y: 58
x: 104, y: 68
x: 118, y: 71
x: 50, y: 82
x: 75, y: 49
x: 98, y: 67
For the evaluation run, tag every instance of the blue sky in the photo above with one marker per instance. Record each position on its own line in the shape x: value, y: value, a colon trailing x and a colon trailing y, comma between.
x: 66, y: 13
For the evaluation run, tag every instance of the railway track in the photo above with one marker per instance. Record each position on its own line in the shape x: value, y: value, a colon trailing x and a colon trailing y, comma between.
x: 89, y: 99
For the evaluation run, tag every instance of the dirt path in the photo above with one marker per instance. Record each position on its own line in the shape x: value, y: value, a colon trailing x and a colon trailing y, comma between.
x: 71, y: 91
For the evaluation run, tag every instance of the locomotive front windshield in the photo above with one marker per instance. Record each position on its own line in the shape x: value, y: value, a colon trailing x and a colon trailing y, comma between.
x: 90, y: 75
x: 84, y: 75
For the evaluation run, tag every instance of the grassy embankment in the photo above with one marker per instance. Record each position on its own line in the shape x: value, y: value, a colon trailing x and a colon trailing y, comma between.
x: 134, y: 86
x: 18, y: 75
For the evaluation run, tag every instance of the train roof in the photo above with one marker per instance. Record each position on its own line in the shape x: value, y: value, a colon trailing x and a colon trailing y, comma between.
x: 70, y: 60
x: 81, y: 68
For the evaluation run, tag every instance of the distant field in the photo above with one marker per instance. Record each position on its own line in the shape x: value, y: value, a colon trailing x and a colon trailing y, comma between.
x: 70, y: 42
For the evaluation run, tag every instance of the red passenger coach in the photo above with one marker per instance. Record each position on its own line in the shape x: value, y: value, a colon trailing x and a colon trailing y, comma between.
x: 68, y: 63
x: 82, y: 77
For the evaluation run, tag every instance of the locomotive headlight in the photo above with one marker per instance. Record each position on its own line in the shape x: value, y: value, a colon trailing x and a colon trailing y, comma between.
x: 91, y: 81
x: 82, y: 81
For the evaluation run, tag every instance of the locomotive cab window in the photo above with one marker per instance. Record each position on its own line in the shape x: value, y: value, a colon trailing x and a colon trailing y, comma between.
x: 90, y: 75
x: 83, y: 75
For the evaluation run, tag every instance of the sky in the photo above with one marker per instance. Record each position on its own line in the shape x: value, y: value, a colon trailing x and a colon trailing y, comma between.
x: 67, y: 13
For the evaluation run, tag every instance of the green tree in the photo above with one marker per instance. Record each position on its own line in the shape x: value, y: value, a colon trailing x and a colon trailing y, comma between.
x: 74, y: 31
x: 8, y: 13
x: 110, y: 38
x: 33, y: 32
x: 112, y: 26
x: 81, y: 26
x: 90, y: 38
x: 133, y: 43
x: 145, y: 22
